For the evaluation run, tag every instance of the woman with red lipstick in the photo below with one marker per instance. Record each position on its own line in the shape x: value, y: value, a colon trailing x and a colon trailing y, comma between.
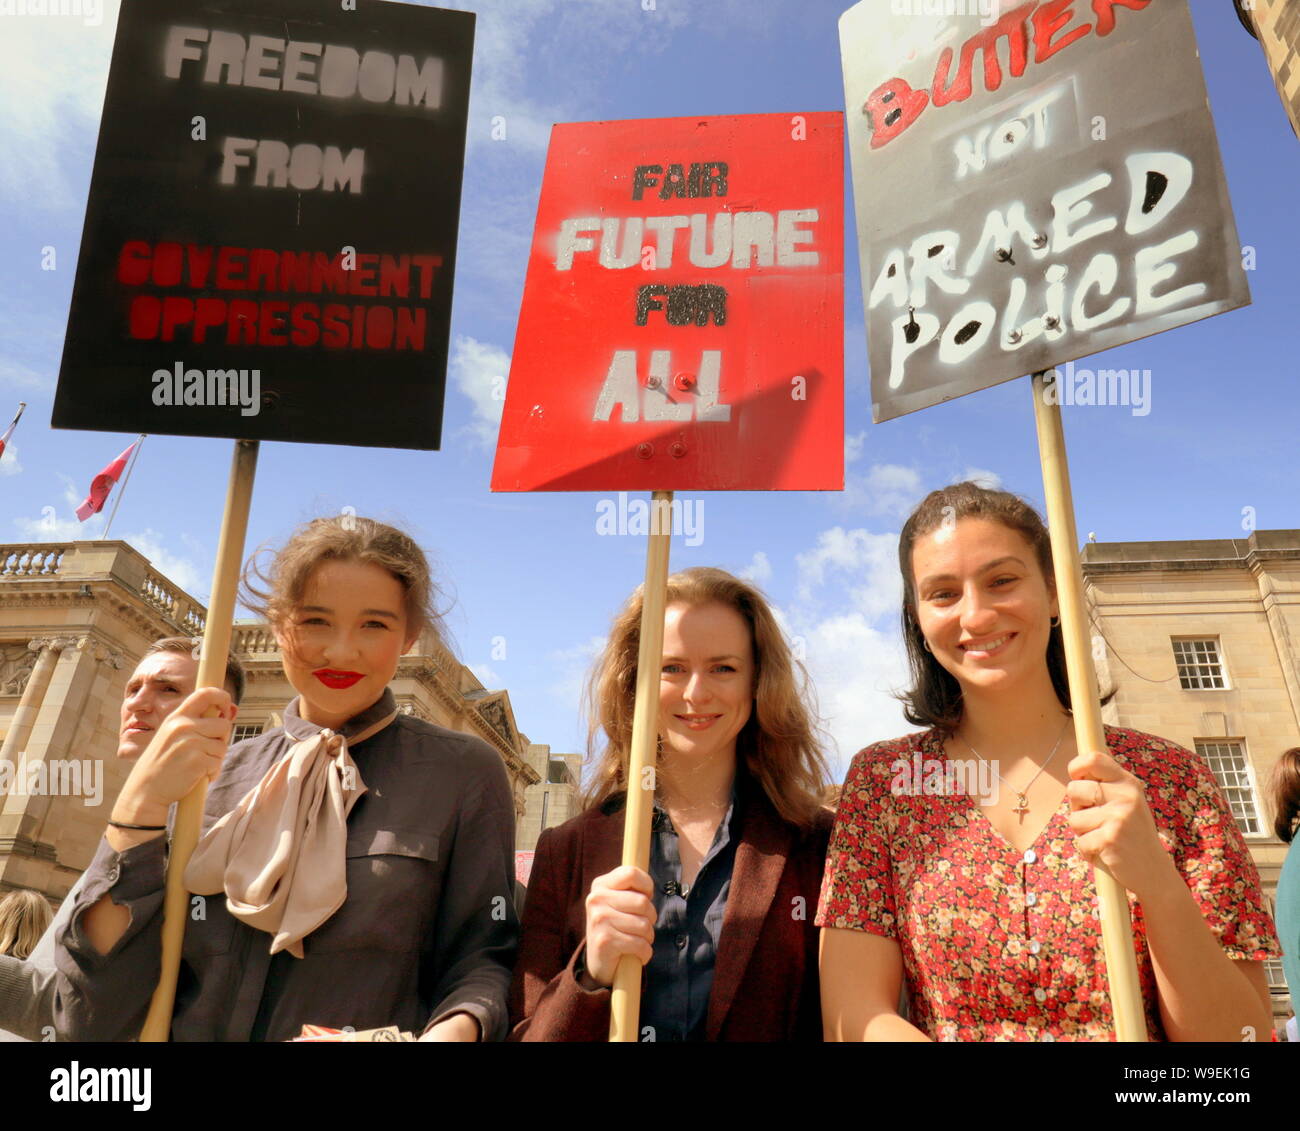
x: 985, y: 904
x: 357, y: 864
x: 722, y: 921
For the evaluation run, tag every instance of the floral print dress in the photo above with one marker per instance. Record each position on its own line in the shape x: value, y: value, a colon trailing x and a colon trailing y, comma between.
x: 1000, y: 945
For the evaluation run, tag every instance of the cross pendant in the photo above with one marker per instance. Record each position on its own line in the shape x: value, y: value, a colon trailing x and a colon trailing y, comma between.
x: 1022, y: 804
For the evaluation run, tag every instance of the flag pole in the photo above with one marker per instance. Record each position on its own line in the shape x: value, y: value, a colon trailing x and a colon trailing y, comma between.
x: 212, y: 673
x: 4, y: 440
x: 625, y: 999
x: 135, y: 455
x: 1112, y: 902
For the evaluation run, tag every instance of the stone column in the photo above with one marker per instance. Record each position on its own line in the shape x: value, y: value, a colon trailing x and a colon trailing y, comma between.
x: 20, y: 730
x: 46, y: 788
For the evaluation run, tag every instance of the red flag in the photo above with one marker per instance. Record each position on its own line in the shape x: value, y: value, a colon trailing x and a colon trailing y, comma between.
x: 10, y: 430
x: 102, y: 484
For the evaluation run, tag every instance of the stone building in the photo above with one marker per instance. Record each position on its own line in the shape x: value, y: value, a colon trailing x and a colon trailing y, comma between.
x: 1203, y: 648
x: 1276, y: 24
x: 75, y: 619
x: 553, y: 799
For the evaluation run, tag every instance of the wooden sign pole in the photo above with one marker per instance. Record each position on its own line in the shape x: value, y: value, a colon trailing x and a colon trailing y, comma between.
x: 1112, y: 902
x: 212, y: 673
x: 625, y: 1000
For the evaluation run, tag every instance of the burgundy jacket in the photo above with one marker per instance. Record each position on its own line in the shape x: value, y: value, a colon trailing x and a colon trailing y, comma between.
x: 765, y: 985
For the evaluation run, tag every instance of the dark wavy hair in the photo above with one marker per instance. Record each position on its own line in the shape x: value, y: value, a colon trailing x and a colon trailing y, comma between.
x: 935, y: 697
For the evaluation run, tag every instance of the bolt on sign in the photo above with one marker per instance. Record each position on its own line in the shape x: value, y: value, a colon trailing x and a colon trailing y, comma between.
x: 682, y: 319
x: 1033, y: 183
x: 274, y: 205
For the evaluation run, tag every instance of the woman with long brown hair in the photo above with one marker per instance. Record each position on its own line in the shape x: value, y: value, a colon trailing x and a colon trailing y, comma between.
x: 722, y: 922
x: 983, y: 898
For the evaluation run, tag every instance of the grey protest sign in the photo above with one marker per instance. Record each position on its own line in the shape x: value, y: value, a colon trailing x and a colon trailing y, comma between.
x: 1033, y: 183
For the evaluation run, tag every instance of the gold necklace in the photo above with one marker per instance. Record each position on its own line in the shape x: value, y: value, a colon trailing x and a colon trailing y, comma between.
x: 1022, y: 796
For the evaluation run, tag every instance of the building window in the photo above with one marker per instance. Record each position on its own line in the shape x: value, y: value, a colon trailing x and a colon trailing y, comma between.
x: 1199, y: 665
x: 557, y: 773
x: 1228, y: 761
x: 1273, y: 972
x: 246, y: 730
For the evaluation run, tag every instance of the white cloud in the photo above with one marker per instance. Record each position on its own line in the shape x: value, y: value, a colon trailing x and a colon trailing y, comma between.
x: 178, y: 569
x: 515, y: 39
x: 855, y: 667
x: 853, y: 446
x: 573, y: 667
x: 479, y: 371
x: 759, y: 570
x: 883, y: 489
x: 844, y: 623
x: 864, y: 564
x: 17, y: 376
x: 984, y: 478
x: 49, y: 527
x: 52, y: 75
x: 538, y: 62
x: 486, y: 676
x: 9, y: 462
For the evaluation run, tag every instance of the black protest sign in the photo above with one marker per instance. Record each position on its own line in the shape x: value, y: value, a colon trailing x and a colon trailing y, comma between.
x: 1033, y: 182
x: 270, y: 238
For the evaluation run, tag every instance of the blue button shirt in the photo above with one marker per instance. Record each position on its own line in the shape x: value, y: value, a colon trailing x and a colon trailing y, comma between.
x: 679, y: 976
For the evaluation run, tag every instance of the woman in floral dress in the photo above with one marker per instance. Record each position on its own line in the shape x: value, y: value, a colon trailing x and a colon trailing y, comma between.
x: 962, y: 856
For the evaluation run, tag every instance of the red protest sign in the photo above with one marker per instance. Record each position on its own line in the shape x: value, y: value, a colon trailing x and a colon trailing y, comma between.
x: 682, y: 321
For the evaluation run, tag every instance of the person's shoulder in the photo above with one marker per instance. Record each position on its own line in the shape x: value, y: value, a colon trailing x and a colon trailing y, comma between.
x: 816, y: 835
x: 879, y: 757
x: 591, y: 825
x: 467, y: 752
x: 1149, y: 756
x: 823, y: 821
x: 258, y: 750
x: 1171, y: 774
x: 594, y: 816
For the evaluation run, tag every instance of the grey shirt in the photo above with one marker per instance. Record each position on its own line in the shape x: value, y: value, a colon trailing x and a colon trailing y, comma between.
x: 428, y: 929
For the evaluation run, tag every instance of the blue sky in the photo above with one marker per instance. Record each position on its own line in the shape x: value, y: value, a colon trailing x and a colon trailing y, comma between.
x: 531, y: 569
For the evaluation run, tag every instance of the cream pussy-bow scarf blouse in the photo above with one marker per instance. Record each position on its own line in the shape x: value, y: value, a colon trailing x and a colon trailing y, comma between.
x: 281, y: 854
